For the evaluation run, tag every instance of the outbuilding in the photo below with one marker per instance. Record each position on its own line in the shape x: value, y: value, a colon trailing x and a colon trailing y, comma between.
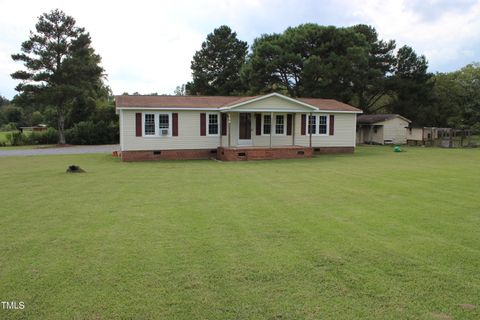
x: 382, y: 129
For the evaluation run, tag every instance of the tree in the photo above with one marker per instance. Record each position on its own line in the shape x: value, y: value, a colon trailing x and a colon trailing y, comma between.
x: 61, y: 66
x: 180, y: 90
x: 456, y: 98
x: 371, y: 84
x: 412, y: 86
x: 3, y: 101
x: 216, y: 66
x: 313, y: 61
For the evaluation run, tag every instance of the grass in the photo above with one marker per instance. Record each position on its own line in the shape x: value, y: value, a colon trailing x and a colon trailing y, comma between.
x: 3, y: 136
x: 376, y: 235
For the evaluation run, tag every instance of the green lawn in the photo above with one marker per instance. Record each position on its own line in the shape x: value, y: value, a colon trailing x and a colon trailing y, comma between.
x: 377, y: 235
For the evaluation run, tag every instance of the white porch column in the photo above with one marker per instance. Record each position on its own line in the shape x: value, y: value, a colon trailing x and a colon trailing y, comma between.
x: 310, y: 128
x: 229, y: 127
x: 271, y: 128
x: 293, y: 128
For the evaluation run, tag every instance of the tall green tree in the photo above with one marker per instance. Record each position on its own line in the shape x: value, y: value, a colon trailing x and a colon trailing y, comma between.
x: 61, y: 67
x: 412, y: 86
x: 456, y: 98
x: 3, y: 101
x: 349, y: 64
x: 216, y: 66
x: 371, y: 84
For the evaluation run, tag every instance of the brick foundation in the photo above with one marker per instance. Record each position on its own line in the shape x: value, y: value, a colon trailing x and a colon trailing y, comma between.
x: 168, y: 154
x: 235, y: 154
x: 330, y: 150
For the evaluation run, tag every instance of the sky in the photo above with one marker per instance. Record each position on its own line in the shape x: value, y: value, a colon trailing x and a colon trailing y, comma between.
x: 147, y: 46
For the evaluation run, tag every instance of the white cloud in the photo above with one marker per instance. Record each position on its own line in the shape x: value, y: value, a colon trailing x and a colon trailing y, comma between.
x: 444, y: 37
x: 147, y: 46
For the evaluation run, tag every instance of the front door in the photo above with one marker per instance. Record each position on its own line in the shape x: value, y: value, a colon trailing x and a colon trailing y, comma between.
x: 245, y: 129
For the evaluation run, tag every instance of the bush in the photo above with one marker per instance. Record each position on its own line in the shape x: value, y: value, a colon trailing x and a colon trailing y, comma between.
x: 49, y: 136
x: 88, y: 132
x: 9, y: 127
x: 17, y: 138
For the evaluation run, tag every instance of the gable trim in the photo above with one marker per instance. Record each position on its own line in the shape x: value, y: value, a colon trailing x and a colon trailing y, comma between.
x: 273, y: 94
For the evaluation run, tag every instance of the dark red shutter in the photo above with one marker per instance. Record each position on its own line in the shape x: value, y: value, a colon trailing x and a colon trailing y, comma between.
x: 138, y: 124
x: 174, y: 124
x: 332, y: 124
x: 258, y: 124
x: 224, y: 124
x: 289, y: 124
x: 303, y: 124
x: 203, y: 124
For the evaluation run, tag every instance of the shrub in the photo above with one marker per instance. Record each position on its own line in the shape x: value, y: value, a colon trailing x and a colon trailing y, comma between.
x: 88, y: 132
x: 9, y: 127
x: 17, y: 138
x: 49, y: 136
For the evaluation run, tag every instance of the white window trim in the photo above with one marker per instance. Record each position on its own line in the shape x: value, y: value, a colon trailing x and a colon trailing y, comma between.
x: 157, y: 123
x: 317, y: 125
x: 284, y: 124
x: 263, y: 123
x: 273, y: 124
x: 208, y: 126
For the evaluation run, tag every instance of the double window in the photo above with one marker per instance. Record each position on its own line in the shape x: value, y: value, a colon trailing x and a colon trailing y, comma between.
x: 156, y: 124
x: 279, y: 125
x: 212, y: 124
x: 317, y: 125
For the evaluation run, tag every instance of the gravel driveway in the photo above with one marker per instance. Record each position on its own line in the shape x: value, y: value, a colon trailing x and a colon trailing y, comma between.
x: 64, y: 150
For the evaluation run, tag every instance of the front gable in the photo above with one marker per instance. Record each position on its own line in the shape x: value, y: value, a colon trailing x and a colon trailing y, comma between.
x: 273, y: 102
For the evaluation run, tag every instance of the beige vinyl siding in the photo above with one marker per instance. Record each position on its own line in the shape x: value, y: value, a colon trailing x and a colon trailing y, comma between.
x: 344, y: 134
x: 273, y: 103
x: 395, y: 130
x: 188, y: 134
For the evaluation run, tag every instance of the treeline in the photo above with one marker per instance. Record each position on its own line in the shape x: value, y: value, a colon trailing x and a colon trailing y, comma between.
x: 61, y: 85
x: 350, y: 64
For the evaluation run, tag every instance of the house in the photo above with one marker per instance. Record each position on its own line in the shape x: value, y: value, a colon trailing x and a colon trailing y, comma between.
x: 269, y: 126
x: 382, y: 129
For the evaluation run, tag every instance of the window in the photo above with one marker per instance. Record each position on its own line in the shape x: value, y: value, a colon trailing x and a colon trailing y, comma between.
x: 150, y: 127
x: 212, y: 124
x: 279, y: 124
x: 317, y: 125
x: 163, y: 124
x: 312, y: 125
x: 322, y: 124
x: 163, y: 121
x: 149, y: 124
x: 267, y: 122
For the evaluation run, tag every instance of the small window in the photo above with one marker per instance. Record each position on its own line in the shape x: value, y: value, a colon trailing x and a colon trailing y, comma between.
x: 213, y: 124
x: 149, y: 124
x: 279, y: 124
x: 322, y: 124
x: 267, y: 122
x: 312, y: 125
x: 163, y: 121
